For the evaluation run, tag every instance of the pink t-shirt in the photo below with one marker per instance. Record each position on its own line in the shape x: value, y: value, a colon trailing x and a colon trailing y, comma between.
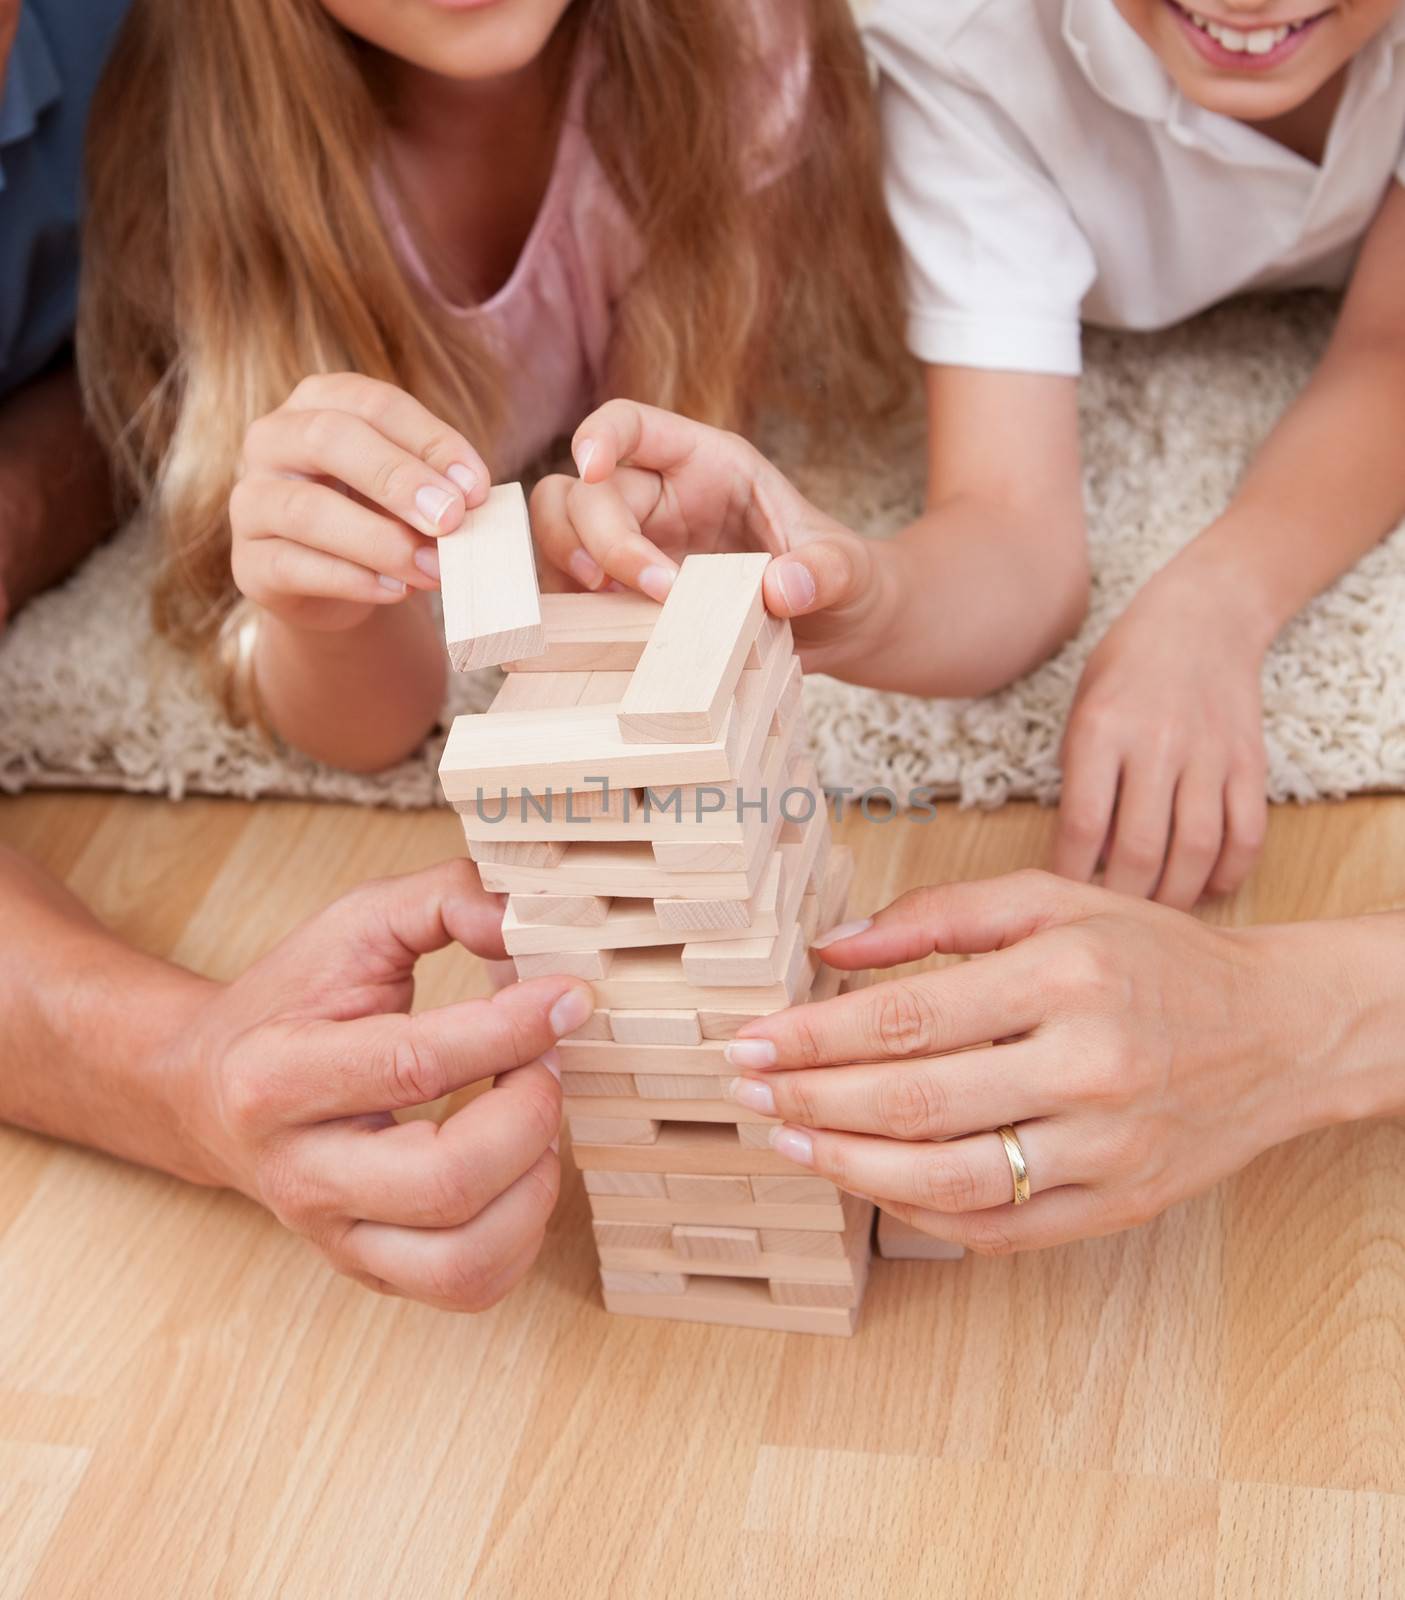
x: 553, y: 317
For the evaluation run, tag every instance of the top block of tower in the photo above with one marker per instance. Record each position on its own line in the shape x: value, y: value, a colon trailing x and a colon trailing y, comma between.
x: 488, y: 581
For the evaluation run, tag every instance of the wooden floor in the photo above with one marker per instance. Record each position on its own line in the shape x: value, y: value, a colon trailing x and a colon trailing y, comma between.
x: 191, y: 1404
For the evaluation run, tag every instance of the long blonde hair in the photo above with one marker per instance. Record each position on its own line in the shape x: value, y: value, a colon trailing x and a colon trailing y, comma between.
x: 234, y: 245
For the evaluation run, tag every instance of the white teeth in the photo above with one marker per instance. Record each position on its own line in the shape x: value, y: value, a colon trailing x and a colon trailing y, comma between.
x: 1257, y: 43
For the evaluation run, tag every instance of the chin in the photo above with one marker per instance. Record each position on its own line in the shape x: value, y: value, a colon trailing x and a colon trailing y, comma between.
x: 1246, y: 102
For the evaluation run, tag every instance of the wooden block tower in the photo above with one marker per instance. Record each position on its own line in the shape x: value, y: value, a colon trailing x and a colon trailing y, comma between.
x: 641, y: 791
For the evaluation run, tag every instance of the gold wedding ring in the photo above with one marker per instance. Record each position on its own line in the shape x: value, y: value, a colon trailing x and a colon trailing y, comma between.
x: 1015, y: 1156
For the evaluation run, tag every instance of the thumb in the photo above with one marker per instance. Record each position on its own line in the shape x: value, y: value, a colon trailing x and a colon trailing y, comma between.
x: 374, y: 935
x: 958, y: 919
x: 822, y: 575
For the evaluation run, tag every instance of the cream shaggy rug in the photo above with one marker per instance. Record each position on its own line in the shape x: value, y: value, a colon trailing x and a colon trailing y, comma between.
x: 88, y: 698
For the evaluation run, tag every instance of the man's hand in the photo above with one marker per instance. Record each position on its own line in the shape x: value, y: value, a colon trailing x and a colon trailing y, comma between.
x: 287, y: 1081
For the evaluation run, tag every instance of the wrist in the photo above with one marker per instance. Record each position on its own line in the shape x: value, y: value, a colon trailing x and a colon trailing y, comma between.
x: 1335, y: 1010
x: 1234, y: 566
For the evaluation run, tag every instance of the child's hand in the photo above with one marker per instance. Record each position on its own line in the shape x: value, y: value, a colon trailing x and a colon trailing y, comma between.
x: 287, y: 1082
x: 655, y: 487
x: 342, y: 493
x: 1163, y: 757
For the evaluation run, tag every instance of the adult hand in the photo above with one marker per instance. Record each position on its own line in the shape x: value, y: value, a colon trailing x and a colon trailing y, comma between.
x: 1163, y: 757
x: 655, y: 487
x: 1142, y: 1057
x: 341, y: 494
x: 289, y: 1077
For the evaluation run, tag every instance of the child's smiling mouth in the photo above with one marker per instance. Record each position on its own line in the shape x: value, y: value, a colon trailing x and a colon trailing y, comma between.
x: 1245, y: 48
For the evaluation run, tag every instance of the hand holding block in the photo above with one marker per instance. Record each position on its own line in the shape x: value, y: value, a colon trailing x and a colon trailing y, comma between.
x: 688, y: 670
x: 488, y: 580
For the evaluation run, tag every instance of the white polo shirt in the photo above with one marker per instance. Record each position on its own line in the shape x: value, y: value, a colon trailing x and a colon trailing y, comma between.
x: 1043, y: 169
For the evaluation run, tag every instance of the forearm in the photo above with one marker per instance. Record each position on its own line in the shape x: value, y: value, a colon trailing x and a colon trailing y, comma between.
x: 56, y: 499
x: 88, y: 1027
x: 1326, y: 487
x: 361, y: 698
x: 976, y: 595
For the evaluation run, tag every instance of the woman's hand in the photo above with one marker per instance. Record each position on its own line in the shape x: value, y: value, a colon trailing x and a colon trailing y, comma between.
x: 287, y: 1082
x: 342, y: 492
x: 655, y: 487
x: 1142, y: 1057
x: 1163, y: 757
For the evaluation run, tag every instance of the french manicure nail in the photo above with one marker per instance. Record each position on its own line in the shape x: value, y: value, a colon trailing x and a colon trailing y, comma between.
x: 462, y: 477
x: 551, y: 1060
x: 845, y: 930
x: 427, y: 560
x: 749, y: 1053
x: 433, y: 504
x: 656, y: 582
x: 754, y: 1096
x: 570, y: 1012
x: 793, y: 1145
x: 583, y: 456
x: 584, y: 570
x: 393, y: 584
x: 796, y: 584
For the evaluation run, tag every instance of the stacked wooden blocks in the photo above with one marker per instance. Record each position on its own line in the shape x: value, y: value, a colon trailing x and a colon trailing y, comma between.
x: 641, y: 791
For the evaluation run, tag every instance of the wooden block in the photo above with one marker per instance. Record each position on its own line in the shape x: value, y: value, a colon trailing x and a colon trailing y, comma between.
x: 688, y: 917
x: 488, y: 581
x: 900, y: 1241
x: 634, y: 1235
x: 673, y: 1085
x: 634, y: 923
x: 717, y: 1024
x: 601, y: 1083
x: 542, y: 691
x: 794, y: 1191
x: 685, y: 678
x: 590, y: 633
x: 627, y: 1185
x: 651, y: 1060
x: 732, y: 1258
x: 737, y: 1303
x: 757, y: 1135
x: 559, y: 910
x: 690, y: 1188
x: 814, y: 1294
x: 697, y: 1147
x: 545, y: 853
x: 655, y: 1027
x: 595, y: 1028
x: 801, y: 1242
x: 627, y: 871
x: 613, y: 1130
x: 592, y: 964
x: 644, y: 1282
x: 654, y: 978
x: 712, y: 1109
x: 734, y: 1245
x: 630, y: 1208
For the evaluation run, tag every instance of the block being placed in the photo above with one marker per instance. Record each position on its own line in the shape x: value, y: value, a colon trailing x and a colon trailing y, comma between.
x: 683, y: 684
x: 488, y: 581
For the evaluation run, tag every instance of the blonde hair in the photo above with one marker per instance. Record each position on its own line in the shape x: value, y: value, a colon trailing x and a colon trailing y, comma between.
x: 234, y: 244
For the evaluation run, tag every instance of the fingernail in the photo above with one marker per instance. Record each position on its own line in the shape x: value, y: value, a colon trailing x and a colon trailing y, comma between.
x: 433, y: 504
x: 570, y: 1011
x: 551, y: 1060
x: 393, y: 584
x: 796, y: 585
x: 750, y: 1053
x: 845, y: 930
x: 464, y: 478
x: 754, y: 1096
x: 427, y: 560
x: 656, y: 582
x: 583, y: 453
x: 793, y: 1145
x: 584, y: 570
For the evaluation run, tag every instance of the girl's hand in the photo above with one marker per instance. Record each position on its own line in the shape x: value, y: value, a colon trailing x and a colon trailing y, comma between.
x: 287, y: 1082
x: 1142, y: 1057
x: 1163, y: 757
x: 342, y: 492
x: 655, y: 487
